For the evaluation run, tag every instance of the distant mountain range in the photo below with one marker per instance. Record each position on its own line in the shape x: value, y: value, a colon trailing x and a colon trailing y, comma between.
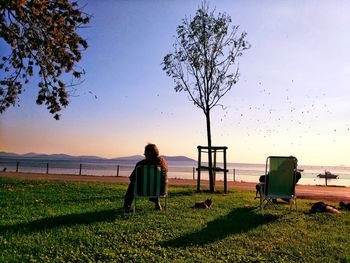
x: 32, y: 155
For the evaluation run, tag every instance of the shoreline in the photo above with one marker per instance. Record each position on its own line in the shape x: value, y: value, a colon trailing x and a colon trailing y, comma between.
x: 320, y: 193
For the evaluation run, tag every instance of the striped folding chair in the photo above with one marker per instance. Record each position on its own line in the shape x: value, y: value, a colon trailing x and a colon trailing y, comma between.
x: 151, y: 182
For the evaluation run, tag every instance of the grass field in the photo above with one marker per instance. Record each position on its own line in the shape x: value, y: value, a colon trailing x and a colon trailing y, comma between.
x: 83, y: 222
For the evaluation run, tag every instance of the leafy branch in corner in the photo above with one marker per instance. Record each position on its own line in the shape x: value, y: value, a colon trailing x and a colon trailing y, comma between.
x: 43, y: 40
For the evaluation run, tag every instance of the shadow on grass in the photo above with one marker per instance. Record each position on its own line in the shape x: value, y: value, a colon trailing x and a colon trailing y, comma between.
x: 188, y: 192
x: 191, y: 192
x: 238, y: 221
x: 82, y: 200
x: 64, y: 220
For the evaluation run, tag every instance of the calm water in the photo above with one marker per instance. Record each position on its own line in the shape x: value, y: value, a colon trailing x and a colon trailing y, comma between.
x: 183, y: 170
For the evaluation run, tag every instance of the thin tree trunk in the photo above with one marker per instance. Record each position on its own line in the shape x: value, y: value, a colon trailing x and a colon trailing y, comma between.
x: 210, y: 160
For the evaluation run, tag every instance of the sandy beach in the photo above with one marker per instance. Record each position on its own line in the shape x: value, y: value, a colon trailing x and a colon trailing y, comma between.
x: 321, y: 193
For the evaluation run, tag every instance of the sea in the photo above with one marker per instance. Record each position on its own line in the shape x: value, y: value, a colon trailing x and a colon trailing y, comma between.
x: 239, y: 172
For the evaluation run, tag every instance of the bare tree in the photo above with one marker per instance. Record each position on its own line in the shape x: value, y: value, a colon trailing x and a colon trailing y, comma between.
x: 204, y: 62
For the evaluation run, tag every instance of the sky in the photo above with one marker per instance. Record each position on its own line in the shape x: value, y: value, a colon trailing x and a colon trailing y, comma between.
x: 292, y: 97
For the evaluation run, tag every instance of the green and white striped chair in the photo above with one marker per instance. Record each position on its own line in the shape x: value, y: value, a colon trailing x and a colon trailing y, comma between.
x: 151, y: 182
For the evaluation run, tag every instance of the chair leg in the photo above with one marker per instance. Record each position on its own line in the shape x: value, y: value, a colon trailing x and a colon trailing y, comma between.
x: 272, y: 202
x: 293, y: 201
x: 268, y: 201
x: 134, y: 204
x: 264, y: 202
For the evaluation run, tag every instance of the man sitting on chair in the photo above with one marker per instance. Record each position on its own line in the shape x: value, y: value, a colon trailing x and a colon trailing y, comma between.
x: 151, y: 158
x: 297, y: 175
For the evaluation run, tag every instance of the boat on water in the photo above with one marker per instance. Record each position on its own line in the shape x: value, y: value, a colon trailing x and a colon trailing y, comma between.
x: 328, y: 175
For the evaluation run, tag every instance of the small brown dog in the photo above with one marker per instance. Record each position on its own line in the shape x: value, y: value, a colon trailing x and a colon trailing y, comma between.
x: 203, y: 204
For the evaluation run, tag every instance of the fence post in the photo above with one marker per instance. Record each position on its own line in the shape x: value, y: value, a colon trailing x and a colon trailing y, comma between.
x: 234, y: 174
x: 47, y: 168
x: 17, y: 166
x: 117, y: 170
x: 80, y: 169
x: 325, y: 178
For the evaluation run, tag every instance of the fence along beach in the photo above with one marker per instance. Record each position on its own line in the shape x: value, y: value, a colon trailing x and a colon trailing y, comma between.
x: 177, y: 169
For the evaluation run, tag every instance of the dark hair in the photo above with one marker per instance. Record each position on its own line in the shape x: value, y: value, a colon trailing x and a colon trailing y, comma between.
x: 152, y: 150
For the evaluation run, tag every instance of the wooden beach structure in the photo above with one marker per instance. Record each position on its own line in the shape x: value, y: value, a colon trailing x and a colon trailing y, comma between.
x: 214, y: 150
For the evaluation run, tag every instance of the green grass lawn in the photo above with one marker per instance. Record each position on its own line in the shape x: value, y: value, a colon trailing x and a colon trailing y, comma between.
x: 81, y: 222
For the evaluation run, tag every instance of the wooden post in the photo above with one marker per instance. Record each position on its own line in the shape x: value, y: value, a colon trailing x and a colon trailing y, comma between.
x: 234, y: 174
x: 47, y: 168
x: 80, y: 169
x: 214, y: 165
x: 325, y: 178
x: 199, y: 169
x: 117, y: 170
x: 225, y: 172
x: 17, y: 166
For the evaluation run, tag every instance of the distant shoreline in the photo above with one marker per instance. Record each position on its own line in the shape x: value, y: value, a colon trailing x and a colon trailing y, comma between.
x: 66, y: 157
x: 329, y: 193
x: 135, y: 158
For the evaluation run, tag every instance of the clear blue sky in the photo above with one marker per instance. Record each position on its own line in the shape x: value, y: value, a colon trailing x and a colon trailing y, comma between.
x: 292, y: 97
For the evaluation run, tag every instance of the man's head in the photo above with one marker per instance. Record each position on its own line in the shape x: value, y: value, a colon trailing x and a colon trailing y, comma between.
x: 151, y: 151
